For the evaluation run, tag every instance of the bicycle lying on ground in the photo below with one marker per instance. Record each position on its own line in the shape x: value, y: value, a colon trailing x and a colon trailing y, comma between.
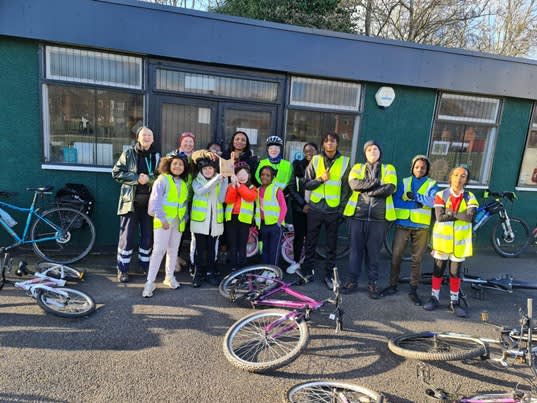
x: 509, y: 237
x: 60, y: 234
x: 272, y: 338
x: 331, y: 392
x: 49, y: 292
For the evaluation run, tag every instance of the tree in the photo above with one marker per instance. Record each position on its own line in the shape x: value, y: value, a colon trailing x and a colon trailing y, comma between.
x: 334, y: 15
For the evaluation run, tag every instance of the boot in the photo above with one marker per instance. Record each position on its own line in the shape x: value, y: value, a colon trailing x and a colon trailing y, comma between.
x: 414, y: 297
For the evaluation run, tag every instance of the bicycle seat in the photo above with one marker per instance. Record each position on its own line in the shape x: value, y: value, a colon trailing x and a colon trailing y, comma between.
x: 508, y: 195
x: 42, y: 189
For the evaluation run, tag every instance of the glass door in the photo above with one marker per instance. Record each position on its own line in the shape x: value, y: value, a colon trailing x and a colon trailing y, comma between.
x: 177, y: 115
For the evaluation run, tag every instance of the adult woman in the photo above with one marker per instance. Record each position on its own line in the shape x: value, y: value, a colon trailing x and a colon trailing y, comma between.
x: 239, y: 150
x: 300, y: 202
x: 452, y: 237
x: 135, y: 171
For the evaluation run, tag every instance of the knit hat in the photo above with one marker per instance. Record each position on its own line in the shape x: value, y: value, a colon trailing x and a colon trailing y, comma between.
x: 185, y: 135
x: 369, y: 143
x: 205, y: 162
x: 420, y: 157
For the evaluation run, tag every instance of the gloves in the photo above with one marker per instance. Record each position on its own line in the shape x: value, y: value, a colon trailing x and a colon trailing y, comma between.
x: 410, y: 195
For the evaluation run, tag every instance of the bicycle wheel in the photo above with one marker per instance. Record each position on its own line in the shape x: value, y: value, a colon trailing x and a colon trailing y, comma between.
x: 506, y: 245
x: 265, y: 340
x: 287, y: 248
x: 60, y: 271
x: 432, y: 346
x: 343, y: 242
x: 244, y: 281
x: 74, y: 305
x: 252, y: 245
x: 330, y: 392
x: 62, y: 235
x: 388, y: 242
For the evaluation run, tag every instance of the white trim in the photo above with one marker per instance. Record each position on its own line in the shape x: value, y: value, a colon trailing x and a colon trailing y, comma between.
x: 76, y: 168
x: 526, y: 189
x: 46, y: 123
x: 445, y: 185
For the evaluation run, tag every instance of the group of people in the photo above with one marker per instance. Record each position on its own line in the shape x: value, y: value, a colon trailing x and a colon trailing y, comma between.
x: 183, y: 192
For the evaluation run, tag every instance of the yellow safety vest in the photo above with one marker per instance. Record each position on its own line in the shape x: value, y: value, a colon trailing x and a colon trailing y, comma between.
x: 200, y: 207
x: 271, y: 207
x: 283, y: 176
x: 174, y: 204
x: 454, y: 237
x: 330, y: 190
x: 420, y: 215
x: 387, y: 176
x: 246, y: 213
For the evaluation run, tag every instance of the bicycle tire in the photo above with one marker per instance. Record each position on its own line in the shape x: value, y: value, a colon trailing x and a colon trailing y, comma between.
x: 252, y: 244
x: 287, y: 248
x: 75, y: 305
x: 55, y: 270
x: 433, y: 346
x: 238, y: 283
x: 74, y: 239
x: 248, y: 347
x: 331, y: 391
x: 506, y: 247
x: 343, y: 243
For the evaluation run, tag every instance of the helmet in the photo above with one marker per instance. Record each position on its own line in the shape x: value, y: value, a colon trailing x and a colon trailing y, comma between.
x: 274, y: 141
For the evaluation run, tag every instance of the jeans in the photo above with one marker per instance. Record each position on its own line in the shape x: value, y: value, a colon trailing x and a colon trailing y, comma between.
x: 418, y: 243
x: 271, y: 236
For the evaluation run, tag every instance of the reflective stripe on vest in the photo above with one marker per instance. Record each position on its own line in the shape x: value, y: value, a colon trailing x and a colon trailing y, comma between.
x: 387, y: 176
x: 454, y: 237
x: 330, y: 190
x: 271, y: 207
x: 200, y: 207
x: 246, y: 212
x: 283, y: 174
x: 420, y: 215
x: 174, y: 204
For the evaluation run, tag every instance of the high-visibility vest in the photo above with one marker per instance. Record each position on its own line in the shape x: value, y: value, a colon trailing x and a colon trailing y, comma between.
x: 330, y: 190
x: 387, y: 176
x: 283, y: 176
x: 246, y: 212
x: 271, y: 207
x: 454, y: 237
x: 174, y: 205
x: 200, y: 207
x: 420, y: 215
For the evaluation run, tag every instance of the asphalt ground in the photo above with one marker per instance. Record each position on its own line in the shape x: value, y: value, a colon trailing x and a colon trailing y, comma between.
x: 169, y: 347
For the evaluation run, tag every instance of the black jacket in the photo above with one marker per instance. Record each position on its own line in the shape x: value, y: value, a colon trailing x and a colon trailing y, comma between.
x: 296, y: 186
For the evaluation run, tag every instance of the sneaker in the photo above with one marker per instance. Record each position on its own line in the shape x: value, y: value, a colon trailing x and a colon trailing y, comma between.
x: 293, y: 268
x: 196, y: 281
x: 413, y: 295
x: 122, y: 277
x: 349, y: 287
x: 432, y: 304
x: 373, y: 291
x: 148, y: 289
x: 457, y: 309
x: 328, y: 281
x: 391, y: 290
x: 171, y: 282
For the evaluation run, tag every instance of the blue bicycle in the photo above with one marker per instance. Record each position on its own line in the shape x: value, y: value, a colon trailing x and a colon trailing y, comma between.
x: 60, y: 234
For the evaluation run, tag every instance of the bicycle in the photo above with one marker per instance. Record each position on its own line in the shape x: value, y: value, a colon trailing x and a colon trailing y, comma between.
x: 515, y: 343
x: 49, y: 292
x: 60, y: 234
x: 509, y: 237
x: 271, y: 338
x: 331, y: 391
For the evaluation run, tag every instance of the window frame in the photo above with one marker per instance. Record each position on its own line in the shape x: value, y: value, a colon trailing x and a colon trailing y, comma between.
x: 531, y: 127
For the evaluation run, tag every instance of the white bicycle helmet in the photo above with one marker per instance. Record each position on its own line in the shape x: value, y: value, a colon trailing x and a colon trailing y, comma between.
x: 274, y: 141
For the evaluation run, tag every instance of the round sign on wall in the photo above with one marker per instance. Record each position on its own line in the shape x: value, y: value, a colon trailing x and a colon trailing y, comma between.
x: 385, y: 96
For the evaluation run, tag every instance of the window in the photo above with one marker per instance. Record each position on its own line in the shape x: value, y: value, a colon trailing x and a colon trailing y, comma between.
x: 85, y: 123
x: 528, y: 170
x: 464, y: 133
x: 320, y: 106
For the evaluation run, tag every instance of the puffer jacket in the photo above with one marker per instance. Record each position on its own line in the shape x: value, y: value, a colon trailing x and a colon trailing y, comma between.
x: 125, y: 171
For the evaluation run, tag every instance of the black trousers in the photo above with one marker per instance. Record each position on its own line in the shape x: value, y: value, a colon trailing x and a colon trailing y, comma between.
x: 315, y: 221
x: 130, y: 225
x: 300, y: 224
x: 366, y: 242
x: 205, y: 252
x: 237, y: 238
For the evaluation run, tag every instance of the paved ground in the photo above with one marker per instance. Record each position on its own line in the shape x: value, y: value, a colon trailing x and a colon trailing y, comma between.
x: 168, y: 348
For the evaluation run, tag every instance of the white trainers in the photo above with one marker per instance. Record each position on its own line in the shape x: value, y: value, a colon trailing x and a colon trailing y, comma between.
x: 148, y: 289
x: 171, y: 282
x: 293, y: 268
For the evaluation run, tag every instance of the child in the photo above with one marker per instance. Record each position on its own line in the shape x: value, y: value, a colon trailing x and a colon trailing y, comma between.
x: 167, y: 204
x: 282, y: 168
x: 206, y: 218
x: 270, y: 215
x: 240, y: 199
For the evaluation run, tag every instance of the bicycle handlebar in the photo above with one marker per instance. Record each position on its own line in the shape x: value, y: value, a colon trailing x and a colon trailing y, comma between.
x: 511, y: 196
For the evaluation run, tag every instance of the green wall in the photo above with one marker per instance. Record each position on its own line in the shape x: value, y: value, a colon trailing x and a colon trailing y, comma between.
x: 21, y: 142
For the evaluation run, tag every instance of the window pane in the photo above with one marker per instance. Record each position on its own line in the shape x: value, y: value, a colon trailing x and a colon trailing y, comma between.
x: 181, y: 81
x: 325, y: 93
x: 256, y: 124
x: 88, y: 126
x: 460, y: 144
x: 86, y: 66
x: 528, y: 170
x: 464, y: 108
x: 310, y: 126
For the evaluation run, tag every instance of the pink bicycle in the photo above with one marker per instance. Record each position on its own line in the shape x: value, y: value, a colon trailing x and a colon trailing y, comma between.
x: 272, y: 338
x: 252, y: 247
